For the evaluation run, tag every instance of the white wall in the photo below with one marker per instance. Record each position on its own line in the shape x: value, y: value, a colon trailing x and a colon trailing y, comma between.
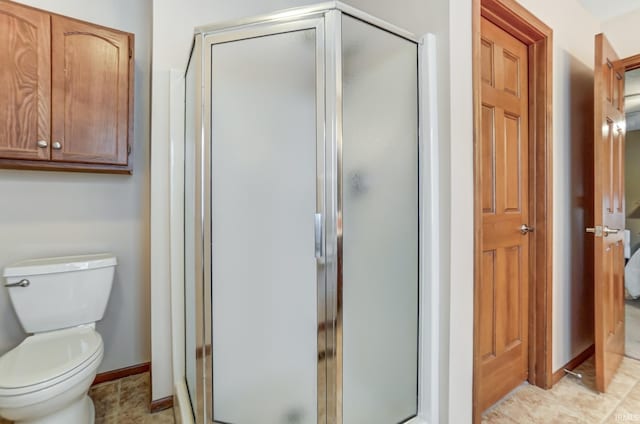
x: 57, y: 213
x: 574, y: 30
x: 624, y: 33
x: 460, y: 210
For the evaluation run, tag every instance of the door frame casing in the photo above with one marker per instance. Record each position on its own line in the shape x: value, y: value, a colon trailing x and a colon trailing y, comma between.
x: 538, y: 37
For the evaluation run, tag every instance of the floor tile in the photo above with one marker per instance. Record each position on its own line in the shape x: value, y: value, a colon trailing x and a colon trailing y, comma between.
x: 134, y: 394
x: 591, y: 407
x: 530, y: 404
x: 163, y: 417
x: 125, y: 401
x: 106, y: 398
x: 573, y: 400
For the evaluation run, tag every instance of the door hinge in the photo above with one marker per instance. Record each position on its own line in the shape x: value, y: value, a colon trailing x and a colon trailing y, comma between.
x: 130, y: 52
x: 128, y: 149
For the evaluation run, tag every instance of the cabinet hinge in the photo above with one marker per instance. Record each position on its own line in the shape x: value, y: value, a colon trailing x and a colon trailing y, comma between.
x: 130, y: 52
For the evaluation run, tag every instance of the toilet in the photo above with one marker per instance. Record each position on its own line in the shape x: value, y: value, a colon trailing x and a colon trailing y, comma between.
x: 46, y: 378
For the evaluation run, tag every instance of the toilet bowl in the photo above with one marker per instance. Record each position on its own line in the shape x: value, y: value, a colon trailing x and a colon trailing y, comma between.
x: 46, y: 378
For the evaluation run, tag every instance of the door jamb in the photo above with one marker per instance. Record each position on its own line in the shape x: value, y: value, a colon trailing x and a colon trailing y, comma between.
x: 523, y: 25
x: 630, y: 63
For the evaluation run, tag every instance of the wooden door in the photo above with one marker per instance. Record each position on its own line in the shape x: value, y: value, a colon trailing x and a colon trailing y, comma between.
x: 25, y: 82
x: 609, y: 207
x: 502, y: 295
x: 91, y: 80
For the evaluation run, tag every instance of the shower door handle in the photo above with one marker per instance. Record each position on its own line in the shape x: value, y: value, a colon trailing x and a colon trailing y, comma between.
x: 318, y: 235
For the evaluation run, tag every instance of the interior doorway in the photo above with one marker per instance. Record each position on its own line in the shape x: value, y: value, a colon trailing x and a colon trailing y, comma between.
x: 512, y: 116
x: 632, y: 218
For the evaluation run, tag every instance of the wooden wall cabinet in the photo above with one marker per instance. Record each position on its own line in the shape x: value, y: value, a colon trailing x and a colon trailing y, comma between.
x: 66, y: 93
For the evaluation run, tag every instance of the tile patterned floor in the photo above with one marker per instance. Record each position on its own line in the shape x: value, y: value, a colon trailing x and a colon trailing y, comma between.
x: 125, y: 401
x: 574, y: 401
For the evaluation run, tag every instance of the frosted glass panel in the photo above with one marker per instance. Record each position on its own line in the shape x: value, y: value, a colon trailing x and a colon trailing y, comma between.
x: 264, y: 278
x: 380, y: 225
x: 189, y: 235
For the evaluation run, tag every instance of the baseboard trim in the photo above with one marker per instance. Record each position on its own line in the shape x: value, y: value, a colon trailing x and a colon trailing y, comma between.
x: 161, y: 404
x: 573, y: 364
x: 121, y: 373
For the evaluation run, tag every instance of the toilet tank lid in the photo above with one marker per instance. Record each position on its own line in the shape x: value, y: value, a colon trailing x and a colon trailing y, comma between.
x: 59, y: 264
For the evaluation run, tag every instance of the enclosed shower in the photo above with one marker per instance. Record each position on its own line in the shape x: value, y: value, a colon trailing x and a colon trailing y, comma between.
x: 302, y: 220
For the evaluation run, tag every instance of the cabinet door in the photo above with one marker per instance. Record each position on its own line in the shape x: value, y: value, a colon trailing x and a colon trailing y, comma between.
x: 25, y: 87
x: 90, y: 101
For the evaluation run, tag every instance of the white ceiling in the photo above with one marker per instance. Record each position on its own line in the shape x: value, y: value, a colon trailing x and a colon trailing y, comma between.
x: 605, y: 9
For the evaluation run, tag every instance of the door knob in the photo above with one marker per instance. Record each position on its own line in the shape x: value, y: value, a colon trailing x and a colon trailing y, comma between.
x: 42, y: 144
x: 597, y: 230
x: 56, y: 145
x: 524, y: 229
x: 606, y: 230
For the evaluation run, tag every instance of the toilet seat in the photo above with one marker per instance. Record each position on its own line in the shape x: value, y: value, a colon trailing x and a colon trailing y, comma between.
x: 45, y: 360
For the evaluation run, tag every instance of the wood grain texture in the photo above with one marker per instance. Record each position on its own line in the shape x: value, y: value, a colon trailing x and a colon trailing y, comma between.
x: 90, y: 97
x: 609, y: 127
x: 43, y: 165
x: 521, y: 24
x: 506, y: 299
x: 24, y: 81
x: 541, y: 207
x: 161, y: 404
x: 96, y: 102
x: 121, y: 373
x: 630, y: 63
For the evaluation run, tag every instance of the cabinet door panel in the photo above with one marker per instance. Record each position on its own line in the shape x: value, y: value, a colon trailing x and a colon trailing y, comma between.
x: 90, y: 103
x: 25, y: 84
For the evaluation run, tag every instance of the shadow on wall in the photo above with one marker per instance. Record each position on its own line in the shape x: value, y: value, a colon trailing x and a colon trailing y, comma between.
x: 580, y: 156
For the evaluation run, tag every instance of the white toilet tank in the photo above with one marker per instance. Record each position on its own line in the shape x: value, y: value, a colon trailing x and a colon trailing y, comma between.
x: 54, y: 293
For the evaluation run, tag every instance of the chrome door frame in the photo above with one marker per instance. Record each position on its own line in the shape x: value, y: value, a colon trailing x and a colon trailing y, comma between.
x: 326, y: 19
x: 333, y: 323
x: 195, y: 59
x: 226, y: 35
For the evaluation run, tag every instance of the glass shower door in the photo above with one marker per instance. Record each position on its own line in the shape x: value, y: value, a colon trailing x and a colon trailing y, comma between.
x: 380, y: 225
x: 266, y: 189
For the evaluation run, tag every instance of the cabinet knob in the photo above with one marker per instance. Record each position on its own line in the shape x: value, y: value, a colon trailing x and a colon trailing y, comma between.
x: 56, y: 145
x: 42, y: 144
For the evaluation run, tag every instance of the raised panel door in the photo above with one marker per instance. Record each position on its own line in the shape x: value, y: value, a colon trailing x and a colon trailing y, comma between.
x: 609, y: 215
x: 24, y: 82
x: 502, y: 292
x: 91, y: 77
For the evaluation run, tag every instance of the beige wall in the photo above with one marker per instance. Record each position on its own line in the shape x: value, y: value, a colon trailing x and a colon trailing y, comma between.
x: 57, y: 213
